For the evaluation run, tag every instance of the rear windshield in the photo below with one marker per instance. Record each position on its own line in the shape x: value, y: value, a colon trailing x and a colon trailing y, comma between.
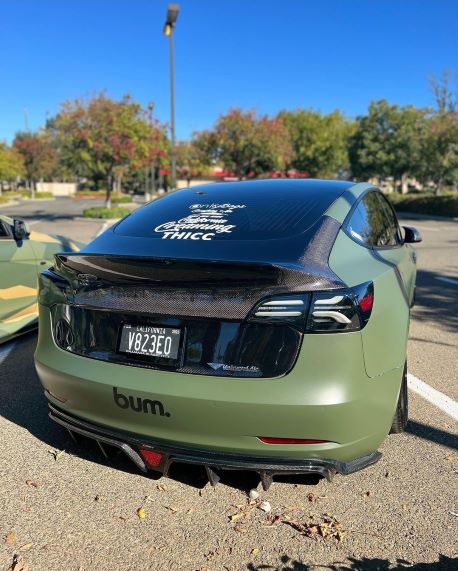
x: 234, y: 211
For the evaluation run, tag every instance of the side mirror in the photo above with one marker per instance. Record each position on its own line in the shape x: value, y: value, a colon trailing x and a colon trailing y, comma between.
x: 411, y: 235
x: 20, y: 230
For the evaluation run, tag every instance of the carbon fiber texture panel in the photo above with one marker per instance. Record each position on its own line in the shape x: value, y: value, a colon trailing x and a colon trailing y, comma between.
x: 214, y: 292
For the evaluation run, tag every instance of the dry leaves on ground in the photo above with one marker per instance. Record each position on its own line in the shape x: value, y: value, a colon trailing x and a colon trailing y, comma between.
x: 324, y: 527
x: 10, y: 538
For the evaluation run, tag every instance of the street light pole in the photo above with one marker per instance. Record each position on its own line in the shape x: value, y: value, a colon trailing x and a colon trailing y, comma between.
x: 172, y: 113
x: 171, y: 18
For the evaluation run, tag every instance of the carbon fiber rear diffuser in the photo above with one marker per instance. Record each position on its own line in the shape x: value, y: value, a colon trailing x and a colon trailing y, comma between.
x: 266, y: 468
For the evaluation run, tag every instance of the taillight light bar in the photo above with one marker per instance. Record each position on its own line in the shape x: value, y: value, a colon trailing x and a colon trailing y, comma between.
x: 329, y: 311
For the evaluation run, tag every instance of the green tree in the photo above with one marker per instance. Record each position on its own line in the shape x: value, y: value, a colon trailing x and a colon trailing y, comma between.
x: 102, y: 139
x: 38, y: 155
x: 320, y: 142
x: 388, y: 142
x: 11, y: 165
x: 192, y: 160
x: 248, y: 145
x: 439, y: 163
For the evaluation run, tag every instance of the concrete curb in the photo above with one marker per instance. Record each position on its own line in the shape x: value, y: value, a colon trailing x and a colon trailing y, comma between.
x: 415, y: 216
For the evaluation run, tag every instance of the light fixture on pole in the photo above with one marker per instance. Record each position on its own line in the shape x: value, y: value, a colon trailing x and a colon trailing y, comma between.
x: 169, y: 26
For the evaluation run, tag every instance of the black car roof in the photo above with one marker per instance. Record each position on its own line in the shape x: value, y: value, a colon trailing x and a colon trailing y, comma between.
x: 245, y: 221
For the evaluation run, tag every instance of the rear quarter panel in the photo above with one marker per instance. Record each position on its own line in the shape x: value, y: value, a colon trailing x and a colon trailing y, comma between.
x: 385, y: 335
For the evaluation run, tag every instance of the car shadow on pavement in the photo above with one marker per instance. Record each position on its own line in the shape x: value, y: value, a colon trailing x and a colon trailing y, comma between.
x: 432, y: 434
x: 23, y: 403
x: 365, y: 564
x: 435, y: 300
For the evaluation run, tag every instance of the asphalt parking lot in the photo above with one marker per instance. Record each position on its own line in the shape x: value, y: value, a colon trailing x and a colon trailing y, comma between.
x: 64, y: 507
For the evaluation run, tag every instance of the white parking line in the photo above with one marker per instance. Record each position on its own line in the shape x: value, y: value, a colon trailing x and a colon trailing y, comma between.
x: 102, y: 229
x: 447, y: 280
x: 445, y: 403
x: 6, y: 350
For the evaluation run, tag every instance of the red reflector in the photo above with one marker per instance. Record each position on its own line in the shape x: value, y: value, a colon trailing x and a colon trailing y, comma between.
x: 153, y: 459
x: 270, y: 440
x: 366, y: 302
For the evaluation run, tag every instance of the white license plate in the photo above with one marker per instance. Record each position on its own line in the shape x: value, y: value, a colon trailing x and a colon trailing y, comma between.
x: 150, y: 341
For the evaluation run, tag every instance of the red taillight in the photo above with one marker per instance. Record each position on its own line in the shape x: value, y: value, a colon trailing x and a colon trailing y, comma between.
x: 271, y: 440
x: 366, y: 303
x: 153, y: 459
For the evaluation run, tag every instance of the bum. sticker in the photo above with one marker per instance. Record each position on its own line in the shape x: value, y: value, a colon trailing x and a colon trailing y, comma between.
x: 203, y: 223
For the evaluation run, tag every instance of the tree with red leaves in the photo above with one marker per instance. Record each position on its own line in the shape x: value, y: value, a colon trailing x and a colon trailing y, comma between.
x: 38, y: 154
x: 248, y: 145
x: 102, y: 139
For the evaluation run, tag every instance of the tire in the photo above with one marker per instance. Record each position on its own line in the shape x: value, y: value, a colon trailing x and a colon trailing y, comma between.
x: 401, y: 415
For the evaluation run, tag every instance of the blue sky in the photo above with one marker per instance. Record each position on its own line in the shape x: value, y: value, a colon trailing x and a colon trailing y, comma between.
x: 263, y: 54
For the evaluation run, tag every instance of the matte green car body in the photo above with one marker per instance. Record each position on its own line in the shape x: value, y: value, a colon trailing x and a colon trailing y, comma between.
x: 20, y: 264
x: 343, y: 388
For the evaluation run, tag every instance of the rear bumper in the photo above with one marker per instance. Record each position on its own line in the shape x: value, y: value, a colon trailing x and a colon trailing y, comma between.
x: 267, y: 468
x: 327, y: 396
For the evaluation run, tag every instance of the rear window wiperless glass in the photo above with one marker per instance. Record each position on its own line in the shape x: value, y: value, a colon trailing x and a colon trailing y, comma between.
x: 261, y: 210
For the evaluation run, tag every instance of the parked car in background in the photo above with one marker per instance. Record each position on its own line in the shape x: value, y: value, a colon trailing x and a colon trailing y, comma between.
x: 23, y: 255
x: 252, y: 325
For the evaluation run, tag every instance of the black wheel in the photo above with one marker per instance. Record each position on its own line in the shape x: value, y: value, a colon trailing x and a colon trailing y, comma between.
x: 401, y: 415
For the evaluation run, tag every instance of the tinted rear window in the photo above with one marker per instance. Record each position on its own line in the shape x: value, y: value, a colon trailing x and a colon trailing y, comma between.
x: 261, y: 210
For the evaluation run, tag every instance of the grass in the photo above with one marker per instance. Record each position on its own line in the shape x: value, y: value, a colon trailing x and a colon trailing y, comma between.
x: 426, y: 203
x: 121, y: 199
x: 102, y: 212
x: 87, y: 192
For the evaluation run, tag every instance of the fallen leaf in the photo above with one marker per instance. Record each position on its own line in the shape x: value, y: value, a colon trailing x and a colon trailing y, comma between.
x: 450, y: 457
x: 162, y: 487
x: 26, y: 547
x: 31, y: 483
x: 255, y: 551
x: 11, y: 538
x: 172, y: 509
x: 239, y: 528
x: 56, y: 453
x: 236, y: 516
x: 141, y: 513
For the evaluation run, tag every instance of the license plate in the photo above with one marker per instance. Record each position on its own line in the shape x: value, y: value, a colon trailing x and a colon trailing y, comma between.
x: 150, y: 341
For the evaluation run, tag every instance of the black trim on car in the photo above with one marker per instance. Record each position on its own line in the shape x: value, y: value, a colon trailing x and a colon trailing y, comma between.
x: 266, y: 467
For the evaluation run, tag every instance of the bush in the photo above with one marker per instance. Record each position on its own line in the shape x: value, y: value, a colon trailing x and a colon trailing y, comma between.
x: 426, y: 203
x: 28, y: 194
x: 120, y: 199
x: 88, y: 192
x: 11, y: 194
x: 4, y: 199
x: 102, y: 212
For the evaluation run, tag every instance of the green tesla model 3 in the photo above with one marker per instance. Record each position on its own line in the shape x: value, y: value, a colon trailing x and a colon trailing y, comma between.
x: 23, y: 255
x: 254, y: 325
